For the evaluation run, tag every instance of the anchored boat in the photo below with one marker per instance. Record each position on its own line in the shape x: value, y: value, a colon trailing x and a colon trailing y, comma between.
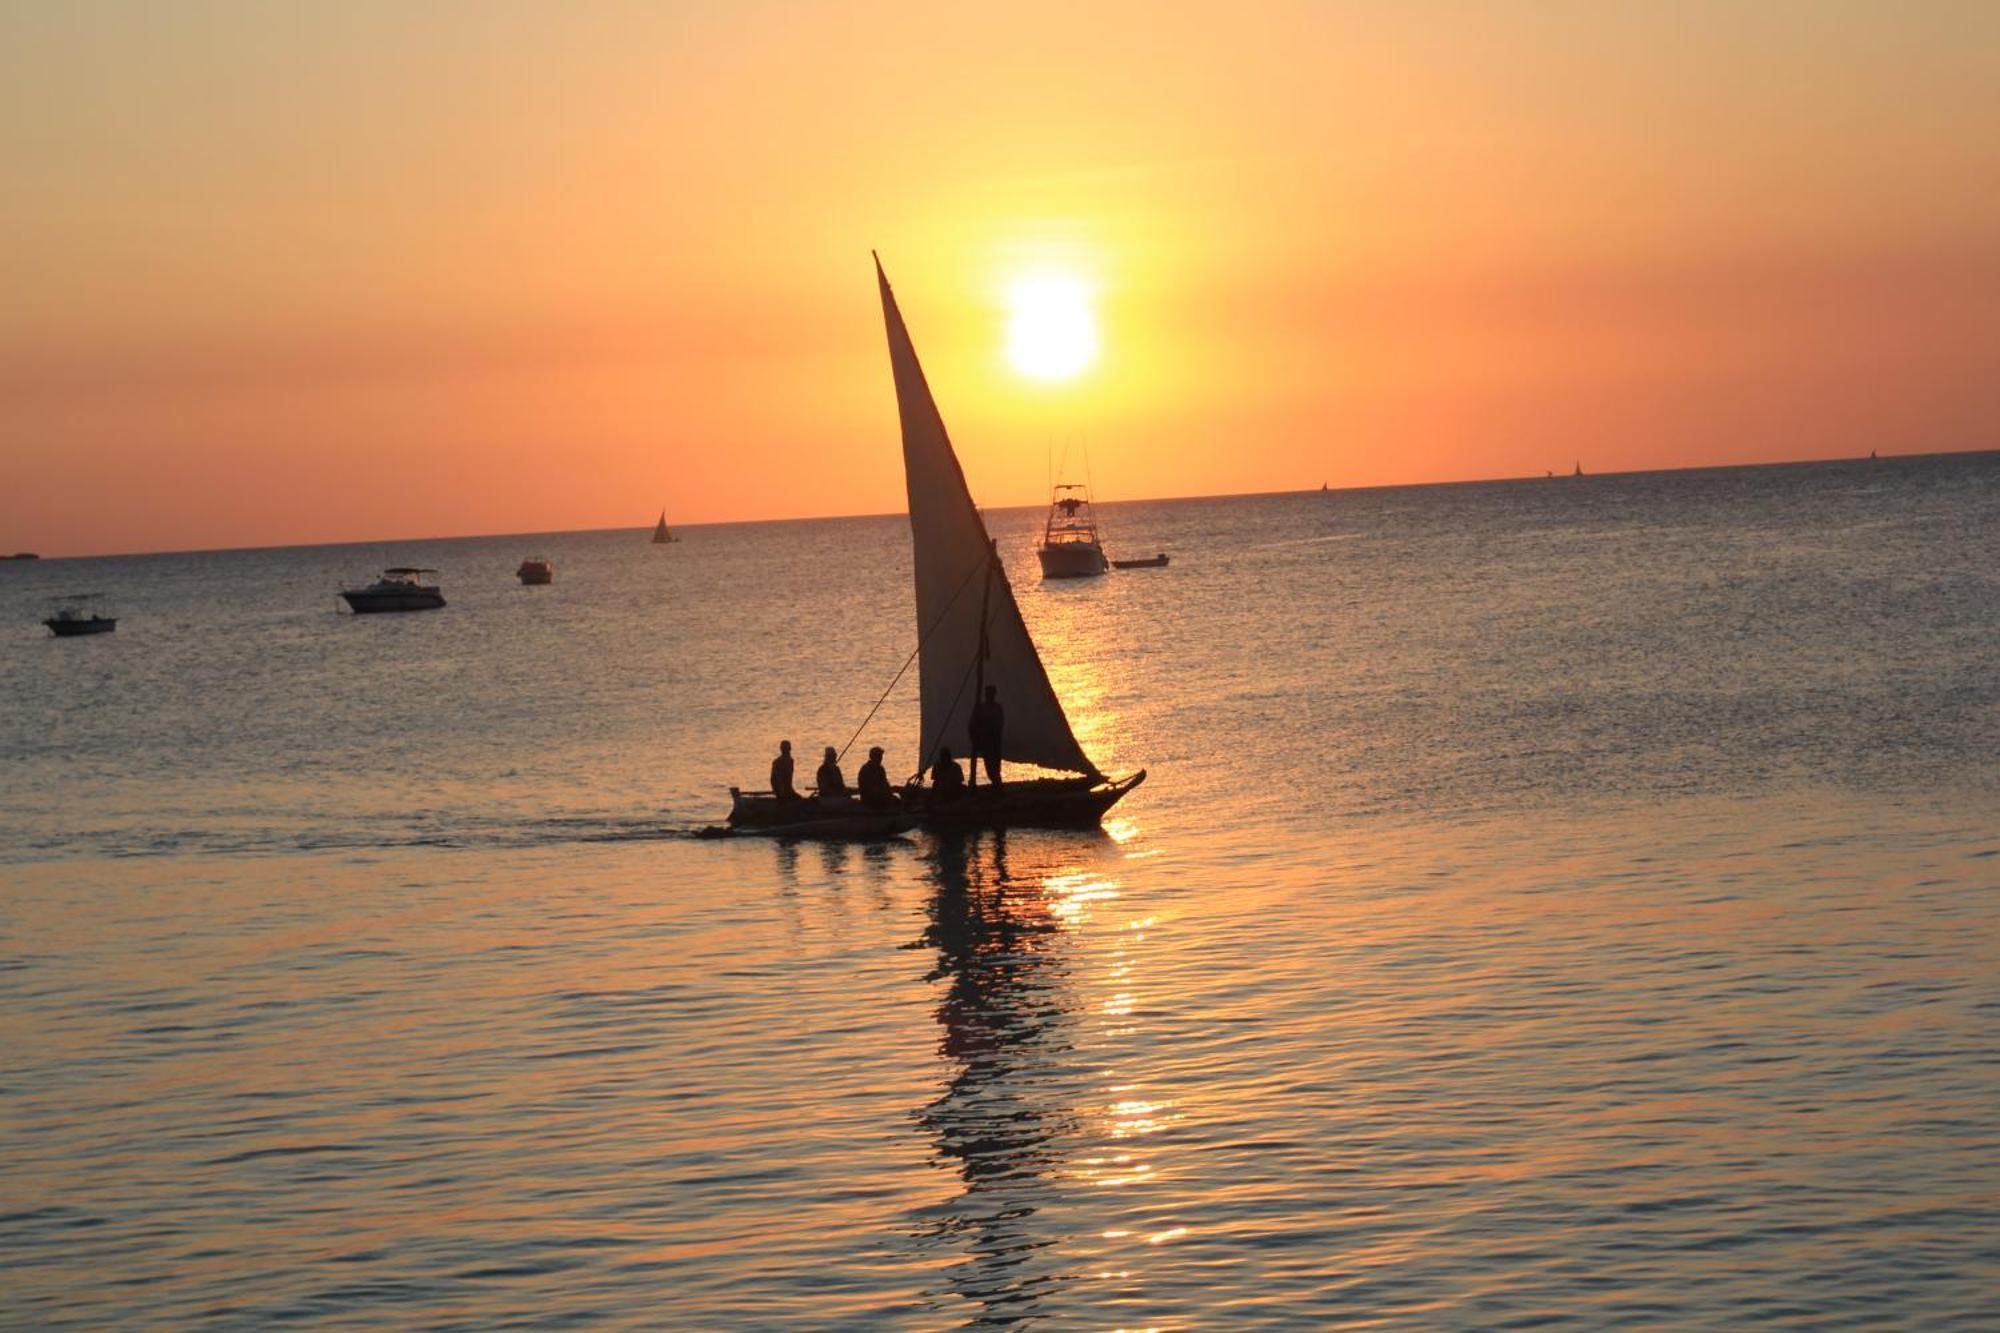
x: 535, y: 571
x: 1070, y: 547
x: 72, y: 618
x: 399, y: 589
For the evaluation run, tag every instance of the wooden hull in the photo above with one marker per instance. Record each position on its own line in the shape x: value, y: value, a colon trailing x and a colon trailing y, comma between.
x: 1151, y: 562
x: 70, y: 629
x: 1033, y: 803
x: 808, y: 817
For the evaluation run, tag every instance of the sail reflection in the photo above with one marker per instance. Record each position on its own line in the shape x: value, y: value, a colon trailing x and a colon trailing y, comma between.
x: 1026, y: 1117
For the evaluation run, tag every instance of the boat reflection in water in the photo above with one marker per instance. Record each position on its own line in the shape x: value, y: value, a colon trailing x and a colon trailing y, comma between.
x: 1029, y: 1116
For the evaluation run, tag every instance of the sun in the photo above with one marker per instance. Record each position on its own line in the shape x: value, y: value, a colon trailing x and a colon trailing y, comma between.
x: 1051, y: 328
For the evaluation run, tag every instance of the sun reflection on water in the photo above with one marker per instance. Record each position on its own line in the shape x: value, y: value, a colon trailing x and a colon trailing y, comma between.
x: 1040, y: 1114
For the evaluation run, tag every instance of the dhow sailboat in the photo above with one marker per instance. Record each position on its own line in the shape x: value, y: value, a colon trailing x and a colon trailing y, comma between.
x: 970, y: 635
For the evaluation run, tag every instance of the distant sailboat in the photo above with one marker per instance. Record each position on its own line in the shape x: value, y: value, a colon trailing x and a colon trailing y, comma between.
x: 1579, y: 471
x: 660, y: 534
x: 969, y: 635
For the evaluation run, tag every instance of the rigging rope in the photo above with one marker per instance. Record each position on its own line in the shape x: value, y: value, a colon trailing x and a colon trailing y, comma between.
x: 921, y: 639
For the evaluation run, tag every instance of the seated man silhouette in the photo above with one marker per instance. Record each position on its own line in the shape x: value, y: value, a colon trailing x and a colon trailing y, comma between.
x: 873, y: 782
x: 832, y: 786
x: 947, y: 779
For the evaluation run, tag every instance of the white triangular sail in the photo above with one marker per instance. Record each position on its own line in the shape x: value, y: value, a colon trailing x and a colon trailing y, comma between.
x: 969, y: 625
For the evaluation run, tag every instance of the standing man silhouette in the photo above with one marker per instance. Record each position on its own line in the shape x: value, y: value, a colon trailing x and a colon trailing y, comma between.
x: 986, y: 727
x: 781, y: 773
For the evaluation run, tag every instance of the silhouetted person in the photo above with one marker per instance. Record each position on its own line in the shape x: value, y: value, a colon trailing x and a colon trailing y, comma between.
x: 947, y: 779
x: 832, y: 786
x: 873, y: 781
x: 988, y: 723
x: 781, y: 773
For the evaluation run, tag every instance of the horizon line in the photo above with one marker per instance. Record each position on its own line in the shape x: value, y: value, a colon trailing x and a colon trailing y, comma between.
x: 7, y: 557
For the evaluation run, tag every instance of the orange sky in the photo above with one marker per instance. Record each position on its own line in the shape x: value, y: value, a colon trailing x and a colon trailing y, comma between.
x: 271, y: 274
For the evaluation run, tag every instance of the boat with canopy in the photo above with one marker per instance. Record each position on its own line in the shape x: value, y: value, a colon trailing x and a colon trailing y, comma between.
x: 403, y: 588
x: 1071, y: 548
x: 73, y: 619
x: 970, y: 635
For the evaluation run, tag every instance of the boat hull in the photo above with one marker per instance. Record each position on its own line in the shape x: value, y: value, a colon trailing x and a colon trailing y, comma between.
x: 370, y: 603
x: 762, y: 814
x: 535, y: 576
x: 1151, y: 562
x: 70, y: 629
x: 1071, y: 560
x: 1032, y: 803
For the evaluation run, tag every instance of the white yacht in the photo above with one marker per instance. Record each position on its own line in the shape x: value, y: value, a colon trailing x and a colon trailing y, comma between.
x: 1070, y: 548
x: 399, y: 589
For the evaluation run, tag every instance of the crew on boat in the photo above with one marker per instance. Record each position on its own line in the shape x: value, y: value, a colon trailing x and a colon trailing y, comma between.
x: 832, y: 786
x: 988, y: 722
x: 873, y: 782
x: 781, y: 773
x: 947, y: 779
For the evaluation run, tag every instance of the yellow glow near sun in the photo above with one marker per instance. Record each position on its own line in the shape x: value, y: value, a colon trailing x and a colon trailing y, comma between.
x: 1051, y: 328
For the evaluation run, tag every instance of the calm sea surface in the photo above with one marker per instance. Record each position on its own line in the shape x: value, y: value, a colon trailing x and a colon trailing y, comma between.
x: 1566, y: 902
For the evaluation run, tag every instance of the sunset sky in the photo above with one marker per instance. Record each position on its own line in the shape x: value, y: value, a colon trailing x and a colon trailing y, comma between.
x: 276, y: 274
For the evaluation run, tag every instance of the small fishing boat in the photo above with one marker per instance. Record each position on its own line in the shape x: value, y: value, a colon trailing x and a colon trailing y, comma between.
x: 72, y: 620
x: 970, y: 635
x: 535, y: 571
x: 662, y: 537
x: 1070, y: 548
x: 1150, y: 562
x: 400, y: 589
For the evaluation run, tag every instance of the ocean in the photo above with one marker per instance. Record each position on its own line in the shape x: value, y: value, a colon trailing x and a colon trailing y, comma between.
x: 1561, y: 902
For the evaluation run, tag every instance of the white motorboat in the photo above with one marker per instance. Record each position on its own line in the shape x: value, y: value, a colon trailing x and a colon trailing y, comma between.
x: 399, y: 589
x: 1070, y: 547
